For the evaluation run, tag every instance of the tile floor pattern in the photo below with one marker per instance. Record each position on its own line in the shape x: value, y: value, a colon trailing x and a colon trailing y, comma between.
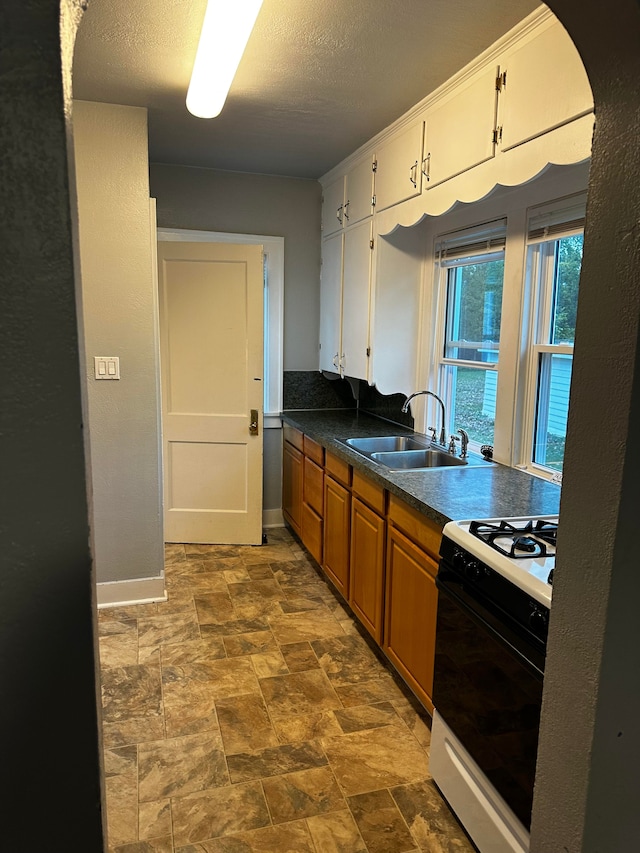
x: 248, y: 715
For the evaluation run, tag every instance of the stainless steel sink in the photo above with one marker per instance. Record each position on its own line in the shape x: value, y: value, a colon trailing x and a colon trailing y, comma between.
x: 410, y: 453
x: 412, y: 459
x: 386, y: 443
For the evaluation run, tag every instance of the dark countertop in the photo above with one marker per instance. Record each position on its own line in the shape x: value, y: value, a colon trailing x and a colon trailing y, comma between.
x: 449, y: 494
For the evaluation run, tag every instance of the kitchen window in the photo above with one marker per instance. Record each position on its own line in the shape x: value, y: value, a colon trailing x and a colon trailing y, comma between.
x: 471, y: 270
x: 554, y: 258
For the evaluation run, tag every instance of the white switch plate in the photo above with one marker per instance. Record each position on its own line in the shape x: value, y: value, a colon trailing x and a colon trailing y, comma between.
x: 107, y: 366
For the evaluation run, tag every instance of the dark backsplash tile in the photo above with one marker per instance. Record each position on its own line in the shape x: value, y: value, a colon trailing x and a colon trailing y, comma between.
x: 310, y: 389
x: 387, y: 406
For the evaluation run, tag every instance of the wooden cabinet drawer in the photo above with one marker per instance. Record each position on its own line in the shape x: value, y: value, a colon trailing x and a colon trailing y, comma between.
x: 313, y: 450
x: 313, y: 485
x: 293, y: 436
x: 371, y: 493
x: 426, y: 532
x: 339, y: 470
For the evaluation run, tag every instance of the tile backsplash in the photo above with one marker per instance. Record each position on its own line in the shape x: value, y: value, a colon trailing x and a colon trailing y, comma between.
x: 311, y: 389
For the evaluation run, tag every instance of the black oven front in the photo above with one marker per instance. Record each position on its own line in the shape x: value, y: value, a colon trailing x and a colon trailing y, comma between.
x: 488, y: 677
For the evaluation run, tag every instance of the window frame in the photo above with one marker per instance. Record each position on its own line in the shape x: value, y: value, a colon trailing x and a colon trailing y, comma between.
x: 539, y: 286
x: 489, y: 244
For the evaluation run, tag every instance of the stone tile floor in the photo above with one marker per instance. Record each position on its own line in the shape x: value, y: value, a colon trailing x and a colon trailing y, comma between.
x: 248, y: 715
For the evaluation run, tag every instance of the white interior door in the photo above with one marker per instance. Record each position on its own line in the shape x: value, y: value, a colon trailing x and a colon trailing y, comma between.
x: 211, y: 349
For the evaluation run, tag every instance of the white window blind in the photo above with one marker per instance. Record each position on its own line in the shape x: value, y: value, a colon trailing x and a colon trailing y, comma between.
x: 488, y: 239
x: 559, y: 220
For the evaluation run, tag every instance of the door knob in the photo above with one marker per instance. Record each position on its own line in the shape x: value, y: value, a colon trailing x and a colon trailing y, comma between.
x: 253, y: 424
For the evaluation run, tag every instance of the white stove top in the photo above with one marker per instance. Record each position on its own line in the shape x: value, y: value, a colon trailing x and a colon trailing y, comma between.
x: 528, y: 573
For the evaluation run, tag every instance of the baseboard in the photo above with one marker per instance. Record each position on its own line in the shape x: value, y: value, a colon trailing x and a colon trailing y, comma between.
x: 124, y: 593
x: 272, y: 518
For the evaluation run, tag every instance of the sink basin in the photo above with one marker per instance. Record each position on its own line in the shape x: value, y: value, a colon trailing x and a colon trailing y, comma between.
x: 386, y: 443
x: 410, y: 453
x: 413, y: 459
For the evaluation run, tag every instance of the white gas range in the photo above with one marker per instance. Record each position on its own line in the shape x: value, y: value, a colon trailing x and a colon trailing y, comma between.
x: 523, y: 550
x: 494, y: 595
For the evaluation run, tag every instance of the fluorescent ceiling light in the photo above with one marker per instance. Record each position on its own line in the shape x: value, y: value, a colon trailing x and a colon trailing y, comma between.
x: 225, y: 32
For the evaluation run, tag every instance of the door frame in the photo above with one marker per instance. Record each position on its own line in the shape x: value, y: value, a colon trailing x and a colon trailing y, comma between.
x: 273, y: 333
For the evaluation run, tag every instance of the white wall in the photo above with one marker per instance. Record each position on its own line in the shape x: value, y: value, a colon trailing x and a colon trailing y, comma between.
x: 238, y: 203
x: 118, y: 317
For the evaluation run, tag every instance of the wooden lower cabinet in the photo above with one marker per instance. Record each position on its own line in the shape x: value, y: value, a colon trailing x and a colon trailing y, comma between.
x: 337, y: 523
x: 292, y: 461
x: 411, y: 601
x: 312, y: 507
x: 366, y: 588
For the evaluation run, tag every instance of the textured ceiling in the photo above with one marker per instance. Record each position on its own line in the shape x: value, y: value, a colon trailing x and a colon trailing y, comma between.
x: 318, y: 77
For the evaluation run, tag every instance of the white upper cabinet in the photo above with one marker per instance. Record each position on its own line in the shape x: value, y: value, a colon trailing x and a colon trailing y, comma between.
x: 398, y: 171
x: 344, y: 301
x: 460, y: 132
x: 331, y: 304
x: 355, y: 301
x: 348, y: 199
x: 358, y: 194
x: 333, y: 207
x: 545, y: 86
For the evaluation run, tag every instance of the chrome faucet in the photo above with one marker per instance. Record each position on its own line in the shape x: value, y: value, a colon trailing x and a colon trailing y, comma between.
x: 405, y: 409
x: 464, y: 443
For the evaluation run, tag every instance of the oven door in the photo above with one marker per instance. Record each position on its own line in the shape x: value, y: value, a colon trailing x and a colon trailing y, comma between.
x: 488, y: 689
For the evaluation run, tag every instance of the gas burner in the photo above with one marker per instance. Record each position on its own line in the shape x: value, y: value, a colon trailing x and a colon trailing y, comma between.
x: 525, y: 540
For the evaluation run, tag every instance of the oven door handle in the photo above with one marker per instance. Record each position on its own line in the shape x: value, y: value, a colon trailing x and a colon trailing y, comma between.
x: 494, y: 625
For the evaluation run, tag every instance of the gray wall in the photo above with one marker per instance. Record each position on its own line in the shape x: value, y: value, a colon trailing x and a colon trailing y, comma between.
x: 50, y: 765
x: 119, y: 319
x: 588, y: 777
x: 208, y: 200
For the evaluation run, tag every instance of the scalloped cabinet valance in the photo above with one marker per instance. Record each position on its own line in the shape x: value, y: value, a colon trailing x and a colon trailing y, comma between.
x: 523, y: 105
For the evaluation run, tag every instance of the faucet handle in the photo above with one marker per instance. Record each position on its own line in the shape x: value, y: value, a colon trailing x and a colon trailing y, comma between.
x: 434, y: 433
x: 452, y: 443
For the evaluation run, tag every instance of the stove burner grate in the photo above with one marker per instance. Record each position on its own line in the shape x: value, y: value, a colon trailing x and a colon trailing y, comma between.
x: 527, y: 540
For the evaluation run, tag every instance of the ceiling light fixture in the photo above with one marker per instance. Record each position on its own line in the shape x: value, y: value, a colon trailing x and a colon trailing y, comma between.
x: 225, y: 32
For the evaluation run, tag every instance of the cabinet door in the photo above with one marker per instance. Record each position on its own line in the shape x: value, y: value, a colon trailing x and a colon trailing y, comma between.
x: 331, y: 304
x: 333, y: 207
x: 366, y: 583
x: 337, y: 511
x: 356, y: 280
x: 312, y: 490
x: 312, y: 532
x: 545, y: 86
x: 292, y: 486
x: 459, y: 134
x: 398, y: 174
x: 358, y: 193
x: 410, y: 613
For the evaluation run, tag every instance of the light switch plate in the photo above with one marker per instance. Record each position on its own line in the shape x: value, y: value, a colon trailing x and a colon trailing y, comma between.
x: 107, y: 366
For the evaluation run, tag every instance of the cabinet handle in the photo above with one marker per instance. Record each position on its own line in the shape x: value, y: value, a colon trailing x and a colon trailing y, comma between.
x: 342, y: 363
x: 413, y: 174
x: 426, y: 167
x: 335, y: 361
x: 346, y: 210
x: 339, y: 213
